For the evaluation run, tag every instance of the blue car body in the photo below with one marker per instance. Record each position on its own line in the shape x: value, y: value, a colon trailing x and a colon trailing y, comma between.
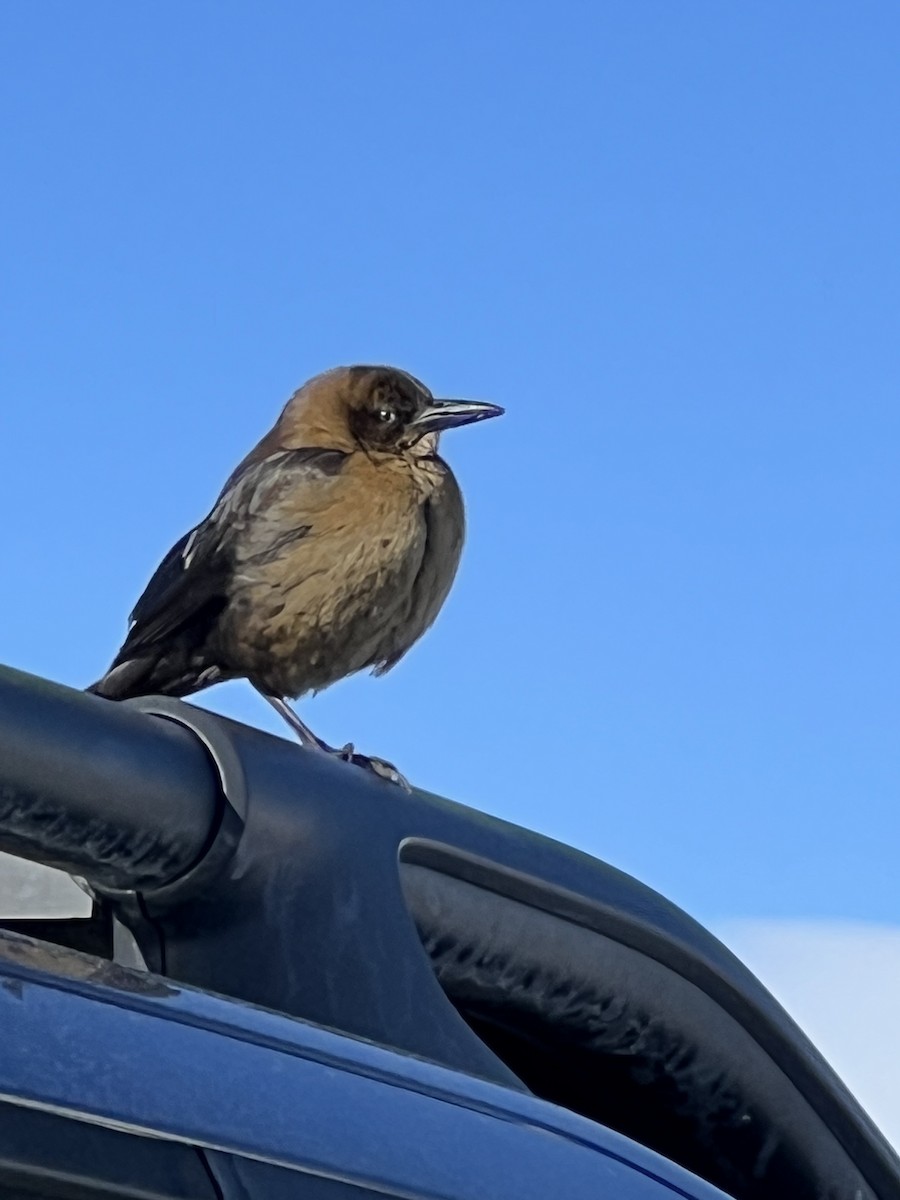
x: 155, y: 1088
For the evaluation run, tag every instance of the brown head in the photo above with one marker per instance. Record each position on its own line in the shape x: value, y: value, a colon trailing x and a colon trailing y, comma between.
x: 376, y: 409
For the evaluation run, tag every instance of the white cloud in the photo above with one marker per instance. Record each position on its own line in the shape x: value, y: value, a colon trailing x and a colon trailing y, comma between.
x: 840, y: 981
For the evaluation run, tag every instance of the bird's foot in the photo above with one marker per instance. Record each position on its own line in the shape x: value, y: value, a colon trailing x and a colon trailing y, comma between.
x: 382, y: 768
x: 378, y: 766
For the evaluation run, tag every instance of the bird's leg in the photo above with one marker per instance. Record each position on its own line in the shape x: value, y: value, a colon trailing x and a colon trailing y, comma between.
x: 302, y: 730
x: 378, y: 766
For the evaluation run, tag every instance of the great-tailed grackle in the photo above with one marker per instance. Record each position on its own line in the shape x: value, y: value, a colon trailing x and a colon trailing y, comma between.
x: 331, y: 549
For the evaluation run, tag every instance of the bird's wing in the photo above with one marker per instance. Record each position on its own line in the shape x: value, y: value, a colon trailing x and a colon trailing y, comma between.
x: 190, y: 584
x: 190, y: 580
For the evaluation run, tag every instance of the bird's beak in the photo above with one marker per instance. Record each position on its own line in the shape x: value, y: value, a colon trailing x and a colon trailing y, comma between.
x: 447, y: 414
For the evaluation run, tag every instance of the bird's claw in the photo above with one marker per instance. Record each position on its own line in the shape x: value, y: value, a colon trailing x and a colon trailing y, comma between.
x: 383, y: 769
x: 378, y: 766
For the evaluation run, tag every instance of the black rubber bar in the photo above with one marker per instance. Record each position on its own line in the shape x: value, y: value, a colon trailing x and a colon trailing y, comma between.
x: 98, y: 789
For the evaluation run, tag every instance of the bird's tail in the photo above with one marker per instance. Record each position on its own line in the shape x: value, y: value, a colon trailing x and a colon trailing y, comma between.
x: 133, y: 677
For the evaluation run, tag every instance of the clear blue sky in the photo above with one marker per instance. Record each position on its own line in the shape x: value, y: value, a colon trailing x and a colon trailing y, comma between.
x: 665, y: 236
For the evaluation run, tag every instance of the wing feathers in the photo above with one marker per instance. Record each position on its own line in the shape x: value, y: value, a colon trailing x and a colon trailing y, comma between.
x: 176, y: 613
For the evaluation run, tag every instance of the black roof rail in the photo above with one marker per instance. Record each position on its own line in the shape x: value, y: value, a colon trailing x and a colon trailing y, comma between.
x: 242, y: 864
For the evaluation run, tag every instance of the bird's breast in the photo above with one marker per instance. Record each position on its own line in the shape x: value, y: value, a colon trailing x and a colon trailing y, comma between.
x: 309, y: 609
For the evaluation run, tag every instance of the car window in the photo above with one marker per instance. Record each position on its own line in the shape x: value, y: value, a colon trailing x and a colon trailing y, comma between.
x: 44, y: 1155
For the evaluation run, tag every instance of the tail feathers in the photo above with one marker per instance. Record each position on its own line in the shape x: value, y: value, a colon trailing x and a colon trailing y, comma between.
x: 169, y: 675
x: 125, y: 679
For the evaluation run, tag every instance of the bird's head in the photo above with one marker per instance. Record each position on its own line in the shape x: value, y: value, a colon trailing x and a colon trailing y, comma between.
x: 376, y: 409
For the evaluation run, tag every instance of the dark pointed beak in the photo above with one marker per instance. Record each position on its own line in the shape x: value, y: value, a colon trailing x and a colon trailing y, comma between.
x: 447, y: 414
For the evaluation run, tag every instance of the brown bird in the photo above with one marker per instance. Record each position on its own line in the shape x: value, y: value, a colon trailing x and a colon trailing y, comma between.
x: 330, y: 549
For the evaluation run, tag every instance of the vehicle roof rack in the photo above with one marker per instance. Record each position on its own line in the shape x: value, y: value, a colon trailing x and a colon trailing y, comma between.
x: 237, y: 862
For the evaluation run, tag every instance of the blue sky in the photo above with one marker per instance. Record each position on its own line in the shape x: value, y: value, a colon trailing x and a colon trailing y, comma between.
x: 665, y: 237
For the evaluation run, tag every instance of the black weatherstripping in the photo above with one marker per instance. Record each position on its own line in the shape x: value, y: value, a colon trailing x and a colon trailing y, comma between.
x: 642, y: 1034
x: 95, y: 788
x: 579, y: 982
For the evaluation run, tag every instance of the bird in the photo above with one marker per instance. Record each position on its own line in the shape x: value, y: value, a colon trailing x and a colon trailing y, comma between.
x: 330, y: 550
